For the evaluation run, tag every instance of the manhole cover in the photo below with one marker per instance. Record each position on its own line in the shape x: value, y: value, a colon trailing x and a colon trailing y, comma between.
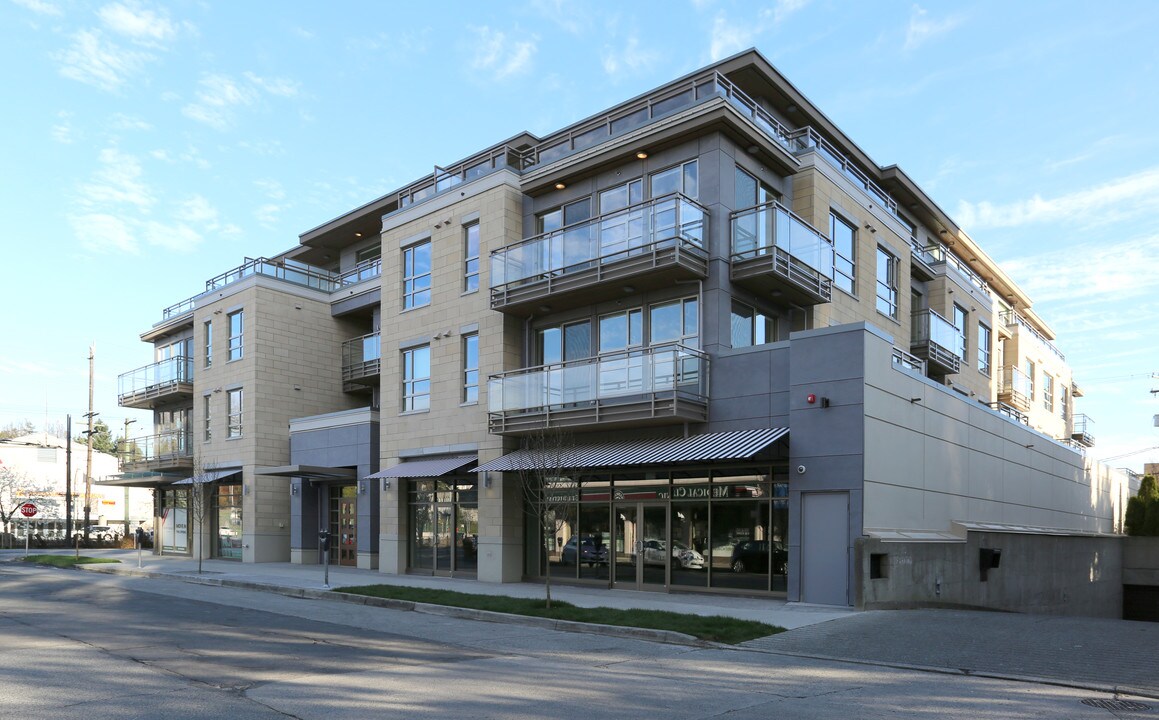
x: 1115, y: 704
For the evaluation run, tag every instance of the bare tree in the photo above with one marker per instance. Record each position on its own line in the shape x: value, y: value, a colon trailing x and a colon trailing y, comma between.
x: 550, y: 489
x: 199, y: 511
x: 16, y: 488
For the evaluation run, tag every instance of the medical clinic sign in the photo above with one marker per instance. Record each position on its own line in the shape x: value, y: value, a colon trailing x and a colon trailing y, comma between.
x: 28, y: 510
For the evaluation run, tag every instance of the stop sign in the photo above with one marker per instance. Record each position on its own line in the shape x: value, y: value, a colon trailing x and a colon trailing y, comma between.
x: 28, y: 509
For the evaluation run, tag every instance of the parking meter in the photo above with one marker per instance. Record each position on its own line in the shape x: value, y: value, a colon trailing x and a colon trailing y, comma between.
x: 324, y: 541
x: 324, y: 548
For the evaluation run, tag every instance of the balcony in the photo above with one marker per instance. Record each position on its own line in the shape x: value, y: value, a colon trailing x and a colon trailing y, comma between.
x: 650, y: 246
x: 1015, y: 388
x: 157, y: 453
x: 1081, y: 432
x: 922, y: 260
x: 162, y: 382
x: 774, y: 252
x: 935, y: 340
x: 662, y: 385
x: 362, y: 360
x: 1018, y: 324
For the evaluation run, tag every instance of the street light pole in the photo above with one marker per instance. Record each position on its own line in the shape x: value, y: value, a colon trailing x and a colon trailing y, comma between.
x: 125, y: 459
x: 89, y: 453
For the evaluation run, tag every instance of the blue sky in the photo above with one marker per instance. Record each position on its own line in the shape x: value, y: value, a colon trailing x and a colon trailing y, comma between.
x: 148, y: 147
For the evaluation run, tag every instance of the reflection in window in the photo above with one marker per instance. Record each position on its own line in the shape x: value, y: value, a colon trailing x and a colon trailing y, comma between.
x: 886, y: 283
x: 471, y: 368
x: 751, y: 327
x: 416, y: 276
x: 235, y: 413
x: 416, y: 378
x: 844, y: 237
x: 681, y: 178
x: 471, y: 257
x: 236, y: 330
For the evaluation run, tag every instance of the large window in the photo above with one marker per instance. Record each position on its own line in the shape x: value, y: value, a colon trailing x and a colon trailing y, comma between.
x: 983, y: 349
x: 471, y: 368
x: 675, y: 322
x: 682, y: 178
x: 416, y: 276
x: 751, y: 327
x: 471, y: 257
x: 844, y: 236
x: 1048, y: 392
x: 561, y: 343
x: 236, y: 332
x: 235, y: 413
x: 886, y: 283
x: 960, y: 318
x: 621, y: 330
x: 751, y: 192
x: 208, y: 343
x: 574, y: 212
x: 416, y: 379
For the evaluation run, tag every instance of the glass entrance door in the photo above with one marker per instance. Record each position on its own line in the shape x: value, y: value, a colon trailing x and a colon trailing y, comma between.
x: 641, y: 557
x: 348, y: 531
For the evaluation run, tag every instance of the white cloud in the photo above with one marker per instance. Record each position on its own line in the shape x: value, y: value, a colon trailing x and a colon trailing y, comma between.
x: 95, y: 61
x: 267, y: 214
x: 922, y: 29
x: 728, y: 38
x: 1090, y: 272
x: 631, y: 58
x: 138, y: 24
x: 785, y: 8
x: 496, y: 54
x: 117, y: 181
x: 219, y: 96
x: 1121, y: 198
x: 62, y: 131
x: 120, y: 121
x: 39, y: 6
x: 272, y: 189
x: 196, y: 210
x: 103, y: 232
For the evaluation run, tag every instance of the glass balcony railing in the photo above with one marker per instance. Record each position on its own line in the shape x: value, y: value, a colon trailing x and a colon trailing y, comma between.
x: 937, y: 254
x: 670, y: 221
x: 175, y: 445
x: 289, y: 271
x: 155, y: 380
x: 361, y: 272
x: 930, y: 327
x: 763, y: 229
x: 362, y: 357
x: 1015, y: 382
x: 667, y: 369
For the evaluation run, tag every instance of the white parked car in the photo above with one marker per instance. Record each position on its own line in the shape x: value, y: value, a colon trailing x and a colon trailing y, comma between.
x: 682, y: 556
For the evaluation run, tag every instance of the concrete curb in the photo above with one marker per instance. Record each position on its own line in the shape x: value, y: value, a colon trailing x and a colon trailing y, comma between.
x: 662, y: 636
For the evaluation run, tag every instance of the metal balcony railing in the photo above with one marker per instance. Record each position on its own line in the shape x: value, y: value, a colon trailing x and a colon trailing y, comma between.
x: 935, y: 339
x: 801, y: 253
x: 1015, y: 387
x: 289, y: 271
x: 155, y: 380
x: 1015, y: 321
x: 670, y: 221
x: 166, y: 447
x: 362, y: 358
x: 1081, y: 430
x: 668, y: 369
x: 361, y: 272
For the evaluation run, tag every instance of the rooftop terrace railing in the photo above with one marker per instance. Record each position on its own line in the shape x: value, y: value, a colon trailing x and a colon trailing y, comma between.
x: 936, y: 254
x: 286, y: 270
x: 361, y: 272
x: 1012, y: 319
x: 443, y: 179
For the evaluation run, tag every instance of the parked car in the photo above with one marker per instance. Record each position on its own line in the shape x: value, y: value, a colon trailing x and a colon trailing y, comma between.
x: 753, y: 556
x: 682, y: 556
x: 588, y: 550
x: 101, y: 532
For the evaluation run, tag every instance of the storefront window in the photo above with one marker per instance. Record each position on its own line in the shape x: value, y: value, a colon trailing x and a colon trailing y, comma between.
x: 444, y: 517
x: 229, y: 522
x: 174, y: 531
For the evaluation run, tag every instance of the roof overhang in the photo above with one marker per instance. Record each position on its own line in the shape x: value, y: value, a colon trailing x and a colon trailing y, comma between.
x: 432, y: 467
x: 312, y: 472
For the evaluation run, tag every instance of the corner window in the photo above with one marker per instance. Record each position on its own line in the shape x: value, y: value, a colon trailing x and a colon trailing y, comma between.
x: 844, y: 236
x: 236, y: 332
x: 416, y: 276
x: 886, y: 283
x: 471, y: 368
x: 471, y: 257
x: 682, y: 178
x: 235, y: 413
x: 751, y: 327
x: 416, y: 379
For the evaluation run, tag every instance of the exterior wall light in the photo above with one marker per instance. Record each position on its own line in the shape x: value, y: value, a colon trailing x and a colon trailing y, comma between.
x: 386, y: 483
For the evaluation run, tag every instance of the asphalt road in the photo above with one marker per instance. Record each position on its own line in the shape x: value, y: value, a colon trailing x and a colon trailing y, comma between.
x: 95, y: 646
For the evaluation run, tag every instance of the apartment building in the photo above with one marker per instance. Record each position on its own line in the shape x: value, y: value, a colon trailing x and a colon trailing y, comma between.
x: 766, y: 354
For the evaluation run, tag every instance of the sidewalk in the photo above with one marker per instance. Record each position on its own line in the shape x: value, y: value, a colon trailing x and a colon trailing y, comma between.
x: 285, y: 576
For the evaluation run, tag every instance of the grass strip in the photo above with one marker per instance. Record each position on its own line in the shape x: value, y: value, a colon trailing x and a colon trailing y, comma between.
x: 713, y: 628
x: 65, y: 561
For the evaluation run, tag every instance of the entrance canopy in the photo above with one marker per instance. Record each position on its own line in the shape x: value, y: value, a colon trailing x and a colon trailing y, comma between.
x: 434, y: 467
x: 312, y: 472
x: 208, y: 477
x: 730, y: 445
x: 139, y: 479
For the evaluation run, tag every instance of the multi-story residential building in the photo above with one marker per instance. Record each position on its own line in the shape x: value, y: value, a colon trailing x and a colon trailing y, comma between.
x: 769, y: 355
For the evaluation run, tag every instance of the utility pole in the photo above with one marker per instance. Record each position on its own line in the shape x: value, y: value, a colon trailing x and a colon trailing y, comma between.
x: 89, y: 453
x: 68, y: 476
x: 125, y: 459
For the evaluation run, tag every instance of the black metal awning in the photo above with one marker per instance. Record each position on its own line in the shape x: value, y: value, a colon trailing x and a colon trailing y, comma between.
x: 432, y: 467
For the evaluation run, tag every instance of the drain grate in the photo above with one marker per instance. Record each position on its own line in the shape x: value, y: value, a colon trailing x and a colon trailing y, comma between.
x: 1115, y: 704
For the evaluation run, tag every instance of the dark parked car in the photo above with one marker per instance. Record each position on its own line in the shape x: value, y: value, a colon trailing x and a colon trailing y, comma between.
x: 753, y: 556
x: 589, y: 552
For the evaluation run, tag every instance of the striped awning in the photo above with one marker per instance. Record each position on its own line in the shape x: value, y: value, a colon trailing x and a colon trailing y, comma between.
x: 434, y: 467
x: 730, y: 445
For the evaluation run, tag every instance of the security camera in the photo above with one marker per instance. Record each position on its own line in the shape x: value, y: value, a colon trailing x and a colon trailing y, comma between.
x: 800, y: 469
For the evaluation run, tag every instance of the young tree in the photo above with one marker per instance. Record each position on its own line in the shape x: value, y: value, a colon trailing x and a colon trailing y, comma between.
x: 200, y: 497
x: 550, y: 489
x: 1142, y: 516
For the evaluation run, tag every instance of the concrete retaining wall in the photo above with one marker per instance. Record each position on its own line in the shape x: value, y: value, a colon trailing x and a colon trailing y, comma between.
x: 1050, y: 574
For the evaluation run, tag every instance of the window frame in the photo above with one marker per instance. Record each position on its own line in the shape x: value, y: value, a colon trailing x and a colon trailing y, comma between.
x: 985, y: 338
x: 207, y: 408
x: 236, y: 345
x: 752, y: 320
x: 235, y: 413
x: 470, y: 350
x: 1048, y: 392
x: 839, y: 273
x: 415, y: 293
x: 208, y: 345
x: 471, y: 259
x: 416, y: 389
x: 889, y: 284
